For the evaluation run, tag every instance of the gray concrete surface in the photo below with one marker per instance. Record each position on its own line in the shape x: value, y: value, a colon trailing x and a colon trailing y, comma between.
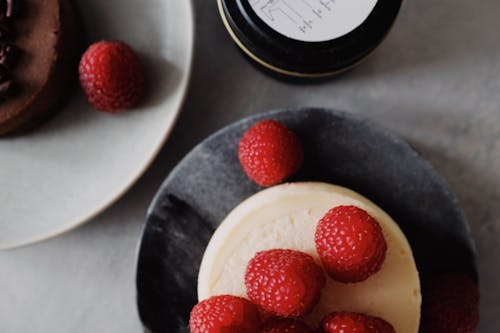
x: 435, y: 81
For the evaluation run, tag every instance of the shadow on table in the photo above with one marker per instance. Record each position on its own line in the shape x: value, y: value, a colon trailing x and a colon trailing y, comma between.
x: 479, y: 195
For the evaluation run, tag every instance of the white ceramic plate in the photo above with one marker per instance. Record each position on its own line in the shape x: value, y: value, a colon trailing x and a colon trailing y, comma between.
x: 81, y: 161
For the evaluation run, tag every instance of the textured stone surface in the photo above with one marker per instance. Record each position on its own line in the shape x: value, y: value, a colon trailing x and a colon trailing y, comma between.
x: 435, y: 81
x: 339, y: 148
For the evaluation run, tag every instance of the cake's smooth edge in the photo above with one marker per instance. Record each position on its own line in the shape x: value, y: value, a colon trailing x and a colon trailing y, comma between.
x: 63, y: 71
x: 230, y: 223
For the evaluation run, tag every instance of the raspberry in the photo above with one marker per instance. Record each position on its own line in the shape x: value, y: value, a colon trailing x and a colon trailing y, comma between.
x: 270, y: 153
x: 284, y: 282
x: 264, y: 315
x: 111, y: 76
x: 350, y: 244
x: 450, y: 304
x: 383, y: 326
x: 228, y: 314
x: 285, y: 326
x: 350, y: 322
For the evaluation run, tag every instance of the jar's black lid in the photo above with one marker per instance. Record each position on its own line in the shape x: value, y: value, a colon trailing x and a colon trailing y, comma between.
x: 298, y: 57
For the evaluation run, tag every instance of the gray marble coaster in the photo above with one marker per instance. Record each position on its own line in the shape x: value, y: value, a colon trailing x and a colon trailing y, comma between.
x: 340, y: 148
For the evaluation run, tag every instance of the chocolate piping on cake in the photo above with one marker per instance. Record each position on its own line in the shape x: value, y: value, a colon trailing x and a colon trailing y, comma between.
x: 12, y: 8
x: 9, y: 8
x: 5, y: 30
x: 8, y: 55
x: 5, y: 83
x: 8, y: 52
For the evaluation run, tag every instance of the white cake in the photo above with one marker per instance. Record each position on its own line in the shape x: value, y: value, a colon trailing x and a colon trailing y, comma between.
x: 286, y: 216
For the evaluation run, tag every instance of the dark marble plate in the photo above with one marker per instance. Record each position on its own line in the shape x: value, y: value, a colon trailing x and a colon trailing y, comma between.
x: 340, y: 148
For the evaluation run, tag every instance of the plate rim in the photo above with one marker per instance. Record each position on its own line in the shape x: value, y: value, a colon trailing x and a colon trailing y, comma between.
x: 185, y: 82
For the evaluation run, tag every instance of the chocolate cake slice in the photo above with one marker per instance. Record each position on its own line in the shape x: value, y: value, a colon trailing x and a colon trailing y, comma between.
x: 39, y: 50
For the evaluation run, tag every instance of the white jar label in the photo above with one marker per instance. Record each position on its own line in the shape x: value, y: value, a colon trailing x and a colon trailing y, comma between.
x: 313, y: 20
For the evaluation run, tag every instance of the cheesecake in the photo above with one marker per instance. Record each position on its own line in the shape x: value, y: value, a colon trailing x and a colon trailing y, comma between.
x: 285, y: 217
x: 39, y: 49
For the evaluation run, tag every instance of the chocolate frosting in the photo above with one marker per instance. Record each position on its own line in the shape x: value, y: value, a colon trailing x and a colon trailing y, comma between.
x: 8, y: 55
x: 5, y: 83
x: 8, y: 52
x: 5, y: 30
x: 9, y: 8
x: 4, y: 74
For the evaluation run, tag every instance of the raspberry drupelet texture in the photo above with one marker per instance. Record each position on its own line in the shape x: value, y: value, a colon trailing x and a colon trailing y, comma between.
x: 286, y: 325
x: 350, y: 322
x: 270, y: 153
x: 450, y: 304
x: 285, y: 283
x: 350, y: 243
x: 111, y: 76
x: 228, y: 314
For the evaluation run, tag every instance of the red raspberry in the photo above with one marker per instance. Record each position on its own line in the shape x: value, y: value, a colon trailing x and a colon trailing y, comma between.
x: 228, y: 314
x: 350, y: 244
x: 264, y: 315
x: 450, y: 304
x: 270, y: 153
x: 111, y: 76
x: 285, y: 326
x: 284, y: 282
x: 350, y: 322
x: 382, y: 325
